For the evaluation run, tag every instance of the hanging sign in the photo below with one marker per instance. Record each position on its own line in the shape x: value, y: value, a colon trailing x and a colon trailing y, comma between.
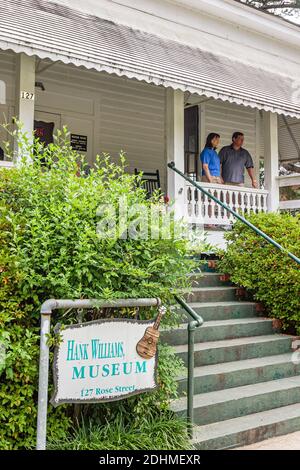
x: 105, y: 360
x: 79, y: 142
x: 44, y: 131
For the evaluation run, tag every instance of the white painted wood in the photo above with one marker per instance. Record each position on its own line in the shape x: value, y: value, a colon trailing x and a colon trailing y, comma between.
x: 124, y: 114
x: 8, y: 75
x: 222, y: 27
x: 284, y: 205
x: 288, y: 180
x: 2, y: 92
x: 216, y: 238
x: 175, y: 148
x: 25, y: 83
x: 116, y: 114
x: 289, y: 147
x: 241, y: 199
x: 226, y: 118
x: 271, y: 159
x: 258, y: 138
x: 6, y: 164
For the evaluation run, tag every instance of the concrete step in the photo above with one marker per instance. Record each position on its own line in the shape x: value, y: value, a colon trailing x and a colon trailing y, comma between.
x: 231, y: 403
x: 208, y: 266
x: 211, y: 294
x: 238, y: 373
x: 220, y: 329
x: 247, y: 429
x: 208, y: 280
x: 221, y: 310
x: 214, y: 352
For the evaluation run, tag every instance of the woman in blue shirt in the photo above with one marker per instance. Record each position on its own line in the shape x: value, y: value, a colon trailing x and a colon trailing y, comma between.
x: 211, y: 166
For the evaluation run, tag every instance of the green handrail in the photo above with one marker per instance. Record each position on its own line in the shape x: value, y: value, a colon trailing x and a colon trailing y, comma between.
x: 192, y: 326
x: 235, y: 214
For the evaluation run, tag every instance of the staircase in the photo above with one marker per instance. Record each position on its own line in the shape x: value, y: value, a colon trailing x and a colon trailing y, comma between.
x: 246, y: 384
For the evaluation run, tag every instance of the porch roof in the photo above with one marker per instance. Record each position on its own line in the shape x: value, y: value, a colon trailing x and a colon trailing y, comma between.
x: 55, y: 32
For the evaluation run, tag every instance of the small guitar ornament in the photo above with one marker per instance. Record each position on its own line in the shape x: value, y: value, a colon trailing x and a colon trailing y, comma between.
x: 146, y: 347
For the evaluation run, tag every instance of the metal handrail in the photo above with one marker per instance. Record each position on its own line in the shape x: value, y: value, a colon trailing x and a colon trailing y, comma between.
x: 235, y: 214
x: 192, y: 326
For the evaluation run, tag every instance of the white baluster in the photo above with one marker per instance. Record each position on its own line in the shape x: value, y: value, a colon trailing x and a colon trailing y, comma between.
x: 248, y: 203
x: 265, y: 196
x: 258, y: 204
x: 205, y: 209
x: 229, y: 202
x: 242, y: 205
x: 211, y: 214
x: 218, y: 207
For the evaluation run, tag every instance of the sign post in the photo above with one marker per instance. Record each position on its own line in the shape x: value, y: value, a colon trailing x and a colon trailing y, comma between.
x: 97, y: 361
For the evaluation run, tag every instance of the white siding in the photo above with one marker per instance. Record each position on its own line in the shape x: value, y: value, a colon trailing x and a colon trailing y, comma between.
x: 7, y: 73
x: 225, y: 119
x: 288, y: 149
x: 121, y: 114
x: 116, y: 114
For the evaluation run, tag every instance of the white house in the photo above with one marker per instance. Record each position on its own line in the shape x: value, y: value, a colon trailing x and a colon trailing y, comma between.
x: 128, y: 74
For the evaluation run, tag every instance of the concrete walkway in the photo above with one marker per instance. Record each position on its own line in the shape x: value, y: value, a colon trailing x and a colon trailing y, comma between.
x: 287, y: 442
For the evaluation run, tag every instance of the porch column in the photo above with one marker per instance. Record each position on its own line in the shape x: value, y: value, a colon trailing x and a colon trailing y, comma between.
x: 271, y: 159
x: 25, y: 88
x: 175, y: 147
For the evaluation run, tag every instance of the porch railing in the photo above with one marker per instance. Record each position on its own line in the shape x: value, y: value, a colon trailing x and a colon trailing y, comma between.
x: 203, y: 209
x: 235, y: 214
x: 194, y: 322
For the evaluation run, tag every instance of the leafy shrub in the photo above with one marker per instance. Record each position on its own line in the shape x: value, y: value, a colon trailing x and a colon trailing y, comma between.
x: 160, y: 432
x: 268, y: 273
x: 49, y: 248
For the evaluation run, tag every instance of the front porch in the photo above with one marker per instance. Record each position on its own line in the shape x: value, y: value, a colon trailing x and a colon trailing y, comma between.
x: 153, y: 133
x: 153, y: 126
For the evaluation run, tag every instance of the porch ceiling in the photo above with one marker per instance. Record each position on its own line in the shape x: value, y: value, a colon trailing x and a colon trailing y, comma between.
x: 48, y: 30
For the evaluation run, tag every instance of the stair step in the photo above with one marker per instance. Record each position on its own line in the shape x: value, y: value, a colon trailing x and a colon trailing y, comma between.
x: 238, y: 373
x: 248, y: 429
x: 213, y: 294
x: 226, y: 404
x: 214, y: 352
x: 205, y: 265
x: 220, y: 329
x: 208, y: 280
x: 222, y: 310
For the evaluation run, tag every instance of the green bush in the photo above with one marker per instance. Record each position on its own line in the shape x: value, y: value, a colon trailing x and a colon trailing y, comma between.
x: 49, y: 248
x: 265, y: 271
x: 160, y: 432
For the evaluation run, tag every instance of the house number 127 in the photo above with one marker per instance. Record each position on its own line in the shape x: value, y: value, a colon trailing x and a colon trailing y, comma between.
x: 27, y: 95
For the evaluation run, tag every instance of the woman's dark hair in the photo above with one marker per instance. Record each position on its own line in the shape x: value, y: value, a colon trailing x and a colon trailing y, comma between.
x: 209, y: 139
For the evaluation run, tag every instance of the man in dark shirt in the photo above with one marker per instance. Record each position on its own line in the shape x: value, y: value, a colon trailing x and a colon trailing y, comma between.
x: 234, y: 159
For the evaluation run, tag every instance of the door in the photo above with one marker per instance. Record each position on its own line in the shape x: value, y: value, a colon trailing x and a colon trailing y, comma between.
x: 191, y: 141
